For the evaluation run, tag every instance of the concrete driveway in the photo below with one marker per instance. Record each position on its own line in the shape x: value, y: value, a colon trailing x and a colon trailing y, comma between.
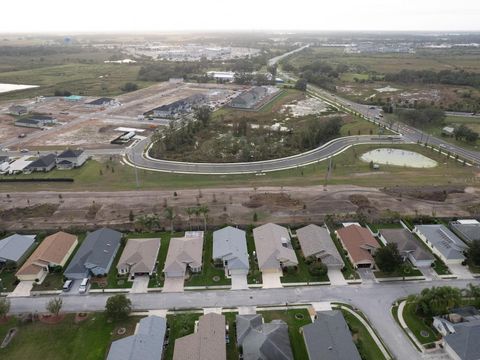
x: 461, y: 271
x: 173, y: 284
x: 366, y: 275
x: 336, y: 277
x: 140, y: 284
x: 239, y: 282
x: 22, y: 289
x: 272, y: 280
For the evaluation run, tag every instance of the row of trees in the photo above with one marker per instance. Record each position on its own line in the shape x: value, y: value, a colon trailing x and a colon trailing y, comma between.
x: 162, y: 71
x: 317, y: 132
x: 448, y: 77
x: 152, y: 222
x: 464, y: 133
x: 421, y: 117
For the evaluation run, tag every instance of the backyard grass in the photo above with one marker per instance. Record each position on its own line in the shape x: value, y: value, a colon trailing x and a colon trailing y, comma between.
x: 157, y: 279
x: 377, y: 227
x: 94, y: 175
x: 440, y: 267
x: 88, y: 340
x: 209, y: 270
x: 294, y: 325
x: 362, y: 338
x: 418, y: 325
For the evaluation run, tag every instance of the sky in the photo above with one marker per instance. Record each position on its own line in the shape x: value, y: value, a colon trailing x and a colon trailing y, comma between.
x: 248, y: 15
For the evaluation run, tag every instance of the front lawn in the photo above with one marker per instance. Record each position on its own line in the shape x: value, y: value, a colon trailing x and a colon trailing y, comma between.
x: 419, y: 326
x: 300, y: 273
x: 294, y: 325
x: 364, y: 342
x: 53, y: 281
x: 8, y: 280
x: 411, y: 272
x: 87, y: 340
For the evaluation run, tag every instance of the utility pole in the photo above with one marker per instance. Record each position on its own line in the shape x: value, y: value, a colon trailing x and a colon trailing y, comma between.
x: 327, y: 175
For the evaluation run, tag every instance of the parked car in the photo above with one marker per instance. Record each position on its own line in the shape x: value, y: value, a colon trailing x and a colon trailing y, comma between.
x: 67, y: 285
x: 24, y: 151
x: 83, y: 286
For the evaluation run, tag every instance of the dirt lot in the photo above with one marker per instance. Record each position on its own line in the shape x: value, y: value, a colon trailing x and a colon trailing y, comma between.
x: 289, y: 205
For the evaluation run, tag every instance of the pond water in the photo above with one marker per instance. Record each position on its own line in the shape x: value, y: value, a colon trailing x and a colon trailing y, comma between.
x: 398, y: 157
x: 14, y: 87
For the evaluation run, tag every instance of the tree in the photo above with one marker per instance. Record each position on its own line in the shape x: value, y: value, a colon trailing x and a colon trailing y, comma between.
x: 190, y: 211
x: 147, y: 222
x: 301, y: 84
x: 317, y: 268
x: 473, y: 292
x: 129, y: 86
x: 204, y: 210
x: 118, y: 307
x: 473, y: 253
x: 388, y: 258
x: 4, y: 307
x: 437, y: 300
x: 202, y: 114
x: 54, y: 306
x: 170, y: 216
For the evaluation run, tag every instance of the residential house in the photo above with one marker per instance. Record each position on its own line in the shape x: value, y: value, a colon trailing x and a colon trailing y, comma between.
x: 53, y: 251
x: 206, y: 343
x: 70, y: 159
x: 36, y: 121
x: 139, y: 257
x: 15, y: 249
x: 96, y: 254
x: 461, y: 334
x: 329, y: 338
x: 230, y: 249
x: 448, y: 131
x: 467, y: 230
x: 360, y: 245
x: 145, y: 344
x: 19, y: 165
x: 444, y: 243
x: 4, y: 164
x: 249, y: 99
x: 179, y: 107
x: 184, y: 253
x: 274, y: 248
x: 17, y: 109
x: 263, y: 341
x: 409, y: 247
x: 44, y: 163
x: 316, y: 241
x: 101, y: 102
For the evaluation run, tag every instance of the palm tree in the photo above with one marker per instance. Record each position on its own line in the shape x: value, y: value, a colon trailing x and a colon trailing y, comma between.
x: 204, y: 211
x: 190, y: 212
x: 170, y: 215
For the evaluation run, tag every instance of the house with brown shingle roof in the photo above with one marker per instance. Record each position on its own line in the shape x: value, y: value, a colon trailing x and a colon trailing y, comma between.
x: 360, y: 245
x: 139, y: 257
x: 206, y: 343
x: 274, y: 248
x: 54, y: 250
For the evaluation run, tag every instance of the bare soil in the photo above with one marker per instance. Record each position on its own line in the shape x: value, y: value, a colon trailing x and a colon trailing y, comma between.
x: 287, y: 205
x: 433, y: 193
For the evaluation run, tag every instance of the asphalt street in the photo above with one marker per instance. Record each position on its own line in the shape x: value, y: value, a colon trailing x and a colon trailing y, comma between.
x: 374, y: 300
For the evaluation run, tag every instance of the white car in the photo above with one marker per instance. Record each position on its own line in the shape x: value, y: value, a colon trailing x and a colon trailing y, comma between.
x: 83, y: 286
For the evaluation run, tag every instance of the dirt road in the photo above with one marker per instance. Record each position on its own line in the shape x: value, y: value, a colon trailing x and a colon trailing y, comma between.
x: 292, y: 205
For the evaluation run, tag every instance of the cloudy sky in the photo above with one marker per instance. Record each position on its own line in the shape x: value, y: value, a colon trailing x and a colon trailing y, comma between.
x: 174, y: 15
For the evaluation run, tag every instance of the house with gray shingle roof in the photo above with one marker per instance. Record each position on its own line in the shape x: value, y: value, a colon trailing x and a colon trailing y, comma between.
x: 184, y: 253
x: 408, y: 245
x: 139, y: 257
x: 70, y: 159
x: 44, y: 163
x: 95, y: 255
x: 16, y: 248
x: 230, y: 248
x: 145, y: 344
x: 263, y: 341
x: 316, y: 241
x: 468, y: 230
x: 444, y: 243
x: 329, y: 338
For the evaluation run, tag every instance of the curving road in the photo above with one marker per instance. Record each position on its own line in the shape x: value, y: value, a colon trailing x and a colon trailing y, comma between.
x: 135, y: 156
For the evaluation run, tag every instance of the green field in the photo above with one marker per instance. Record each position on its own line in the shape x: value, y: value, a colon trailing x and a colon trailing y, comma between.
x: 88, y: 340
x: 347, y: 169
x: 79, y: 79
